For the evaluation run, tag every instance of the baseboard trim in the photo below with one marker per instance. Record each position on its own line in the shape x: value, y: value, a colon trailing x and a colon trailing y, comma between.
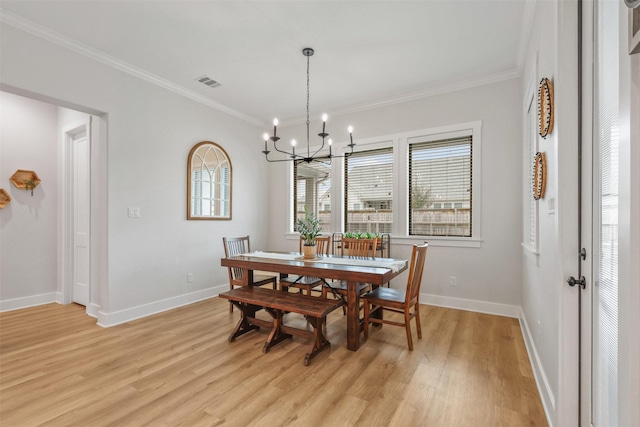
x: 544, y: 389
x: 93, y: 309
x: 471, y: 305
x: 107, y: 320
x: 30, y: 301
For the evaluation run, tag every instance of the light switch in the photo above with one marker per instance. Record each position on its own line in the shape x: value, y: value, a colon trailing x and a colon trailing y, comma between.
x: 133, y: 212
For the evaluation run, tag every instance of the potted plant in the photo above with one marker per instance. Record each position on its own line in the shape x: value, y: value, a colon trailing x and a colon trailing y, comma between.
x: 367, y: 235
x: 309, y: 228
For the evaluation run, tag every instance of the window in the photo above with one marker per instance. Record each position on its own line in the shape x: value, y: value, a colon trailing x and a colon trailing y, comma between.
x: 440, y: 171
x: 312, y: 188
x: 368, y: 191
x: 412, y: 185
x: 530, y: 230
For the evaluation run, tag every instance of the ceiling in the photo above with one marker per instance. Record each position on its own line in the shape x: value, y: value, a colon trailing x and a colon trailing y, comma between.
x: 367, y: 53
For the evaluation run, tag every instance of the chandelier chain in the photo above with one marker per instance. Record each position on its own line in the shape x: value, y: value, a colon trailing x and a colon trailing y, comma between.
x: 308, y: 122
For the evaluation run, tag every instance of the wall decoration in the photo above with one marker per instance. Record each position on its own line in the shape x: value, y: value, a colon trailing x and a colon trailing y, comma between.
x: 634, y: 26
x: 5, y: 198
x: 539, y: 176
x: 208, y: 182
x: 25, y: 180
x: 545, y: 107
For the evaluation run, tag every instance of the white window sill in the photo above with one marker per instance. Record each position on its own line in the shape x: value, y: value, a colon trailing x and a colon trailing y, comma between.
x: 454, y: 242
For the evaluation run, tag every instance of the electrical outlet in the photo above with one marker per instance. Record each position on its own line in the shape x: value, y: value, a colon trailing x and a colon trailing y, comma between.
x: 452, y: 281
x: 189, y: 277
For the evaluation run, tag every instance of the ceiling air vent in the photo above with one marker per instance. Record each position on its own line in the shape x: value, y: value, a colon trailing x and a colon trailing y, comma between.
x: 208, y: 81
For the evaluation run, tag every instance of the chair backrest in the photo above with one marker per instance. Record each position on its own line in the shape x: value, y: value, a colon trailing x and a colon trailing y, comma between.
x: 323, y: 244
x: 418, y: 257
x: 361, y: 248
x: 235, y: 246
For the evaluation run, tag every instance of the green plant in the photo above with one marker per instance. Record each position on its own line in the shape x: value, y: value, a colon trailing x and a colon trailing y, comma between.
x: 309, y: 228
x: 30, y: 185
x: 367, y: 235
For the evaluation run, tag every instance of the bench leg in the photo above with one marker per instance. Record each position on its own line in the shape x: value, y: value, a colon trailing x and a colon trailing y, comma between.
x: 319, y: 341
x: 243, y: 326
x: 276, y: 336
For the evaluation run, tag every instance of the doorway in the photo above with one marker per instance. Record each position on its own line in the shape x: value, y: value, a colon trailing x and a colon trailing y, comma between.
x: 77, y: 213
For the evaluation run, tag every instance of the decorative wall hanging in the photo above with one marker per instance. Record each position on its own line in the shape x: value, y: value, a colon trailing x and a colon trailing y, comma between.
x: 539, y: 175
x: 25, y: 180
x: 5, y: 198
x: 208, y: 182
x: 545, y: 107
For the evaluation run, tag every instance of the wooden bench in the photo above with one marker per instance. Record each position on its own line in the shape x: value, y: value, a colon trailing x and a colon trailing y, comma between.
x: 252, y: 299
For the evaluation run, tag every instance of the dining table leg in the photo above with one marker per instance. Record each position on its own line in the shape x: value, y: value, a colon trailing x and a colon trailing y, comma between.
x: 353, y: 316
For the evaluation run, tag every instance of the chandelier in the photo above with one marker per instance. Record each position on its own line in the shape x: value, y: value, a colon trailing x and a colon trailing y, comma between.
x: 291, y: 155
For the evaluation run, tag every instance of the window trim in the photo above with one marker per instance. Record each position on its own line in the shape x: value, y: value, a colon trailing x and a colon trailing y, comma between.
x: 530, y: 118
x: 473, y: 129
x: 400, y: 145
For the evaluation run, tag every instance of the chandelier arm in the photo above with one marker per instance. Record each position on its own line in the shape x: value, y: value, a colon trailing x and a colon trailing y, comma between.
x: 319, y: 149
x: 288, y: 153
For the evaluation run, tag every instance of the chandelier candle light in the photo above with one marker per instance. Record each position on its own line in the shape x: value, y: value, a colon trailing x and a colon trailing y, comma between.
x: 292, y: 156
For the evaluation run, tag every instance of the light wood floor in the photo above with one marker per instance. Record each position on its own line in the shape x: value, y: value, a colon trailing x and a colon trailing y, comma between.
x: 177, y: 368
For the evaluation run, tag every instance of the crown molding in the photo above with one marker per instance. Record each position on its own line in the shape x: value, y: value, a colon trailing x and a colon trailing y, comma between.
x: 95, y: 54
x: 525, y: 32
x: 446, y: 88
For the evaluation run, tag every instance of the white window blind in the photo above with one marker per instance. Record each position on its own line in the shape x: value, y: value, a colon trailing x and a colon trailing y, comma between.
x: 312, y: 188
x: 440, y: 188
x: 368, y: 191
x: 605, y: 305
x: 531, y: 220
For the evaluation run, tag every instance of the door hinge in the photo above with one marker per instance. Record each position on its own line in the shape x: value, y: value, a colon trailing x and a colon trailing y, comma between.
x: 583, y: 254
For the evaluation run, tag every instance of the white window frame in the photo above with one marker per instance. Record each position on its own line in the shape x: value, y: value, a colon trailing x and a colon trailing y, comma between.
x: 473, y: 129
x: 530, y: 135
x: 400, y: 145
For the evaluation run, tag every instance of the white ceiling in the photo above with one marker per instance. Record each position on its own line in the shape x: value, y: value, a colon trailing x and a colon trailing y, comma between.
x: 367, y: 52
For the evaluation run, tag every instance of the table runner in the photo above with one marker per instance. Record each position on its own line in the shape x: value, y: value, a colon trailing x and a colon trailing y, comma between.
x: 393, y: 265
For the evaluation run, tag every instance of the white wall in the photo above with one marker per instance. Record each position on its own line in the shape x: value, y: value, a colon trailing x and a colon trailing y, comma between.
x: 539, y: 286
x: 28, y: 231
x: 147, y: 137
x: 490, y: 273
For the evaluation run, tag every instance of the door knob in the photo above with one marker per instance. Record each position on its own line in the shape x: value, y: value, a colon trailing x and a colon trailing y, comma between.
x: 572, y: 281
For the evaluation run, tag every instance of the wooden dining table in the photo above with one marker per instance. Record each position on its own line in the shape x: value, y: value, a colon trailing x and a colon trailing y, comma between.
x: 376, y: 271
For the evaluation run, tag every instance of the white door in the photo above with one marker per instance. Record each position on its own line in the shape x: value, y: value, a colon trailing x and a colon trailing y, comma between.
x: 80, y: 149
x: 599, y: 337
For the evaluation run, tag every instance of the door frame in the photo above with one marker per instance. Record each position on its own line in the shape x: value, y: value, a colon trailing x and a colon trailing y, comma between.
x: 588, y: 209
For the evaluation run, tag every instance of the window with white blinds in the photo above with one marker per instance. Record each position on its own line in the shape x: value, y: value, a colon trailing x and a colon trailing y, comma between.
x: 530, y: 206
x: 605, y: 294
x: 440, y: 198
x: 312, y: 188
x: 368, y: 191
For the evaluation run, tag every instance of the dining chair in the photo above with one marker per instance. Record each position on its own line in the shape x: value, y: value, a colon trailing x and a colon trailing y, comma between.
x: 308, y: 283
x: 241, y: 245
x: 353, y: 248
x: 398, y: 301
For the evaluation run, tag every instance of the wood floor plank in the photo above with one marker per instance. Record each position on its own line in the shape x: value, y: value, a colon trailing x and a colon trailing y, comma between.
x: 57, y: 367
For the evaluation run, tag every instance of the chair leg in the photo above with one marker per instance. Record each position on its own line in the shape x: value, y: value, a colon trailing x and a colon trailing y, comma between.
x: 417, y: 316
x: 407, y: 325
x: 365, y: 325
x: 230, y: 304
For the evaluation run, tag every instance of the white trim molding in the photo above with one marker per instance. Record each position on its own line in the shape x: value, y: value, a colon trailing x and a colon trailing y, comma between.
x: 544, y: 388
x: 107, y: 320
x: 30, y: 301
x: 485, y: 307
